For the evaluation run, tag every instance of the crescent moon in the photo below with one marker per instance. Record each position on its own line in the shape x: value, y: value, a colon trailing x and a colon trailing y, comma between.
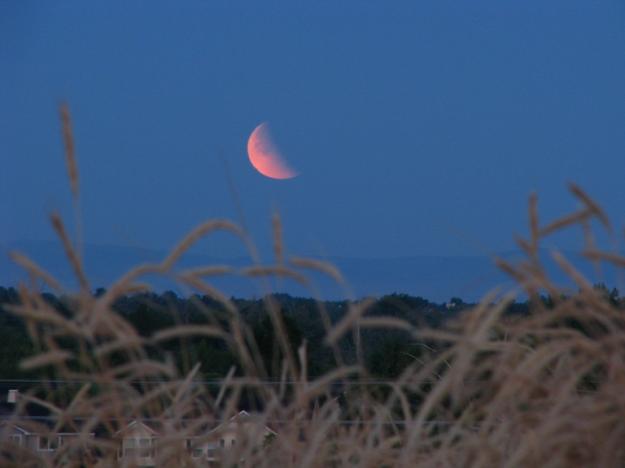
x: 265, y: 157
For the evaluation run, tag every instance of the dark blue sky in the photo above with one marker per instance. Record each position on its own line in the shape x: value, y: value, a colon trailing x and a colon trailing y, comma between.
x: 418, y: 127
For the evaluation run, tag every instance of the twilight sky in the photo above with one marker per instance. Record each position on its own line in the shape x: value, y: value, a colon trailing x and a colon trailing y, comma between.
x: 418, y: 127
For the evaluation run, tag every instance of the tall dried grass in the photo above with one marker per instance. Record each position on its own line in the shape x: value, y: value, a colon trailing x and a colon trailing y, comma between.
x: 546, y: 389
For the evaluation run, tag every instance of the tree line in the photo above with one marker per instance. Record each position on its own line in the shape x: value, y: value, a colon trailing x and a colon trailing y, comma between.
x: 385, y: 352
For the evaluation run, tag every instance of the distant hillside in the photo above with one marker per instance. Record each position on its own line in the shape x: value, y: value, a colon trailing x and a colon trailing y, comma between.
x: 436, y: 277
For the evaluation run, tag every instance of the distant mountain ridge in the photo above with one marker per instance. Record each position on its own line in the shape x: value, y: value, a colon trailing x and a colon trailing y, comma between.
x: 437, y: 278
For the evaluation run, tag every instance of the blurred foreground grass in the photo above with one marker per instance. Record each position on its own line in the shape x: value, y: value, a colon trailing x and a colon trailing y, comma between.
x: 494, y: 389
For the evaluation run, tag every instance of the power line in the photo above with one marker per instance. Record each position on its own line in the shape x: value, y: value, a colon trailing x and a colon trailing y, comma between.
x: 399, y: 422
x: 242, y: 381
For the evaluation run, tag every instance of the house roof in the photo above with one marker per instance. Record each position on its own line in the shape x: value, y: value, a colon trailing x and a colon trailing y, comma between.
x: 135, y: 424
x: 151, y: 427
x: 241, y: 416
x: 41, y: 432
x: 15, y: 426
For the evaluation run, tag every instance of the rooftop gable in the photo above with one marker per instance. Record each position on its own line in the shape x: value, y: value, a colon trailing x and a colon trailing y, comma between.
x: 136, y: 427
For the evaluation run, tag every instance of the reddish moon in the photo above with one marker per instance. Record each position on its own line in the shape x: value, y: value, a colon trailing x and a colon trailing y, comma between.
x: 265, y: 157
